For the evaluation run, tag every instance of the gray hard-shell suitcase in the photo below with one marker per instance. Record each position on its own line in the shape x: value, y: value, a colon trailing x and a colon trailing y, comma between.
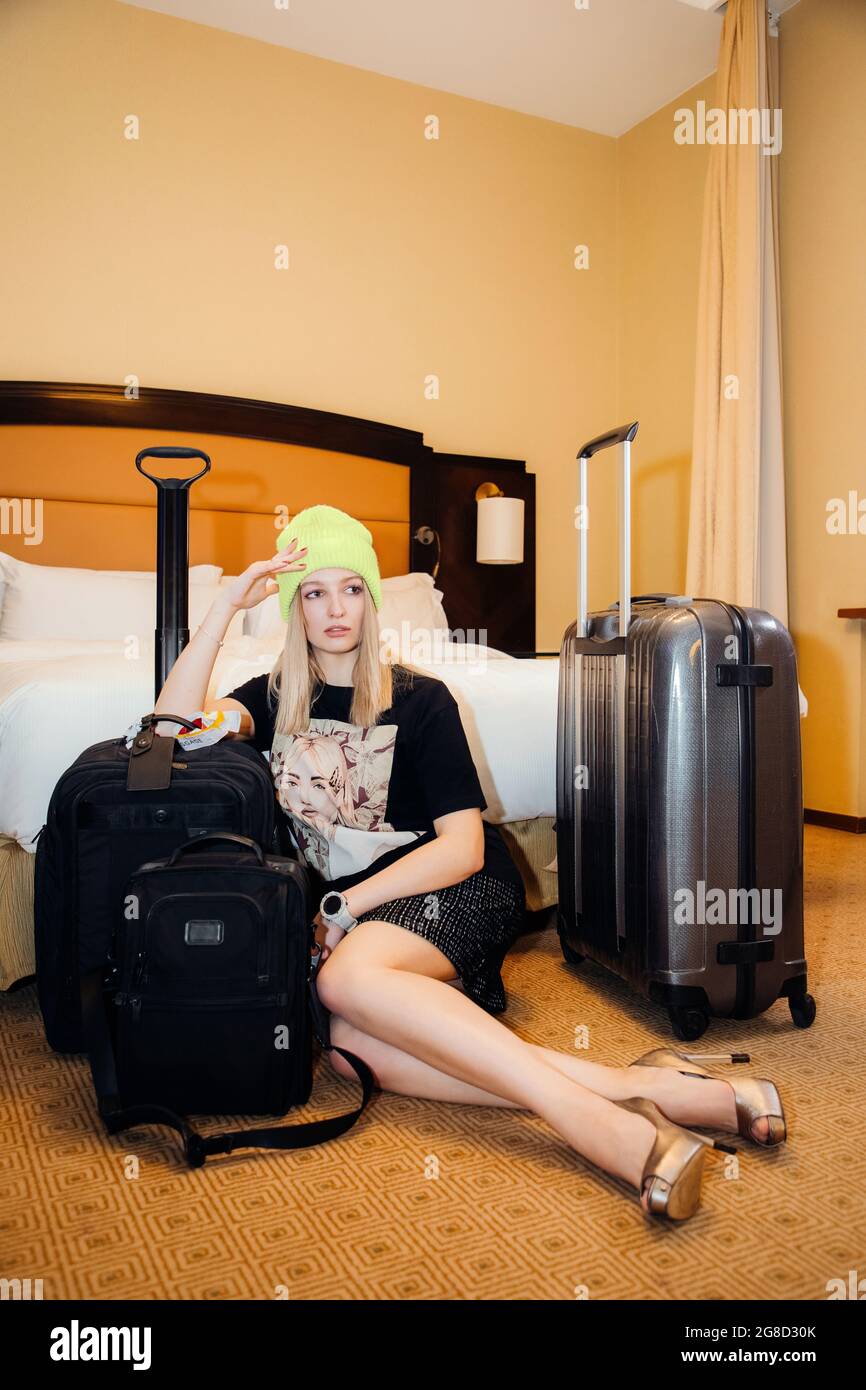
x: 679, y: 795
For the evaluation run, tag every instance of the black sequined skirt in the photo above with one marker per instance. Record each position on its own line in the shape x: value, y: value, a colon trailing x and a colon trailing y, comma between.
x: 474, y: 923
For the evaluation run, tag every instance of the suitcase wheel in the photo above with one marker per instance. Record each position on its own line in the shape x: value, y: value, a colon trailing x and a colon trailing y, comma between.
x: 573, y: 957
x: 803, y: 1009
x: 688, y: 1023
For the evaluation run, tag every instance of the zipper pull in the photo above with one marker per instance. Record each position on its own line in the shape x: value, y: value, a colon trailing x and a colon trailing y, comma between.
x: 136, y: 1009
x: 38, y: 833
x: 139, y: 968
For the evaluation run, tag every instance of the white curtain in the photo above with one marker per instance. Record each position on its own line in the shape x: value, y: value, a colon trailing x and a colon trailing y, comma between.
x: 737, y: 548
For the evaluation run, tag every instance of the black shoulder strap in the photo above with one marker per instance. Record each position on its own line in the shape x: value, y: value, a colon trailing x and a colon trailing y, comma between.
x: 197, y: 1147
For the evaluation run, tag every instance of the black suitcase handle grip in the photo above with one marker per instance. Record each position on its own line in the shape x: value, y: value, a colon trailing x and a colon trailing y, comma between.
x: 625, y: 434
x: 172, y: 451
x: 155, y: 719
x: 230, y: 835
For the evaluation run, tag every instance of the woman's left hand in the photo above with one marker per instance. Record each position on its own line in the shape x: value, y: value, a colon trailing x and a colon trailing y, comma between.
x: 327, y: 935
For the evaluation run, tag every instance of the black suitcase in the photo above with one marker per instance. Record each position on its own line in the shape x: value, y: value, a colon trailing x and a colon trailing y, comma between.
x: 104, y: 819
x: 212, y: 1008
x: 679, y: 796
x: 114, y: 808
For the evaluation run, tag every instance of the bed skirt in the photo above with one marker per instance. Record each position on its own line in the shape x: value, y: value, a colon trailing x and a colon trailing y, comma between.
x: 531, y: 843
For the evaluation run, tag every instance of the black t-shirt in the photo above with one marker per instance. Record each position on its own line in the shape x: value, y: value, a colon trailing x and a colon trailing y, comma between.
x: 358, y: 798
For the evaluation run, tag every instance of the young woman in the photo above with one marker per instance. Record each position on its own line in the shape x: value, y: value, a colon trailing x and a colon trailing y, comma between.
x: 373, y: 772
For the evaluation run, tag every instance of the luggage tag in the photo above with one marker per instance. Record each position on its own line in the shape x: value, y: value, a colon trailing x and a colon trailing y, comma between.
x: 212, y: 726
x: 133, y: 729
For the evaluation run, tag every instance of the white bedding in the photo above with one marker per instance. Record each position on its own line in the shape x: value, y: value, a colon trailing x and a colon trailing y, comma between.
x: 59, y: 697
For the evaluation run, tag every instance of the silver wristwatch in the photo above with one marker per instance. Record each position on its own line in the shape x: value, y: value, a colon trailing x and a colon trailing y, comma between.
x: 335, y: 909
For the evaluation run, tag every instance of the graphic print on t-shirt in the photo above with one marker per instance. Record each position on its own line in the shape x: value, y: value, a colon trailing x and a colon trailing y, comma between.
x: 332, y: 782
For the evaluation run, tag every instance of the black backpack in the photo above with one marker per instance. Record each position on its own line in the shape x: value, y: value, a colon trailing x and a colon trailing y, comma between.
x: 211, y: 1006
x: 110, y: 811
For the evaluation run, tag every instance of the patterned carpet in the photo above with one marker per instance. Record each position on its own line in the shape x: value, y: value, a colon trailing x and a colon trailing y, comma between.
x: 513, y: 1213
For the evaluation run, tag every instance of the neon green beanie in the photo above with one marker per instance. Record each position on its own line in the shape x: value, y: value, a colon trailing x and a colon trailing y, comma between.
x: 334, y: 540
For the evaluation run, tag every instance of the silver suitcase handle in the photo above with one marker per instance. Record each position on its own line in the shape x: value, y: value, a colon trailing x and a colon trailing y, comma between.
x: 624, y: 436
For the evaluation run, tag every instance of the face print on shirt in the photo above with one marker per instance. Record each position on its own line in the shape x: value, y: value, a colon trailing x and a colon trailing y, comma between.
x: 332, y: 782
x: 314, y: 783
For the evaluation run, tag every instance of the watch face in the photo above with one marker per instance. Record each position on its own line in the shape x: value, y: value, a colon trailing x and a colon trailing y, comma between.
x: 331, y: 904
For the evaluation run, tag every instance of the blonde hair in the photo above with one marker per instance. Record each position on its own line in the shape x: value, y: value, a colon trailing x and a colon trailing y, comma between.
x: 297, y: 679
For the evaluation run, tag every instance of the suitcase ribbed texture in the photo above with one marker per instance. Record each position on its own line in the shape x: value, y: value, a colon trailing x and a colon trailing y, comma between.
x: 712, y: 795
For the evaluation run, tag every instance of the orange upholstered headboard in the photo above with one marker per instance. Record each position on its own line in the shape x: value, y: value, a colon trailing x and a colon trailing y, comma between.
x: 98, y: 511
x: 71, y: 449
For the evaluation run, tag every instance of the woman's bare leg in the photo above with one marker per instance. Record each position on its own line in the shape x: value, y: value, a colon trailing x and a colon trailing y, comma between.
x: 391, y: 984
x: 683, y: 1101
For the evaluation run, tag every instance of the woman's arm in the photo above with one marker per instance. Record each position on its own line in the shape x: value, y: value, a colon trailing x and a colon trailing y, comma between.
x: 444, y: 768
x: 186, y: 686
x: 455, y: 854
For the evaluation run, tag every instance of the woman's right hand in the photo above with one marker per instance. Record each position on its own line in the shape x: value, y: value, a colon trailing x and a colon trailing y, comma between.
x: 257, y: 582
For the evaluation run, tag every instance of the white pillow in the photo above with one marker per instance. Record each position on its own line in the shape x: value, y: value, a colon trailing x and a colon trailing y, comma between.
x: 264, y: 620
x: 411, y: 598
x: 45, y: 601
x: 199, y: 574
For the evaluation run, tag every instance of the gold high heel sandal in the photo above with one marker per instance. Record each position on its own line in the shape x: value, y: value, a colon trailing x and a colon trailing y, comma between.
x: 755, y: 1097
x: 675, y: 1164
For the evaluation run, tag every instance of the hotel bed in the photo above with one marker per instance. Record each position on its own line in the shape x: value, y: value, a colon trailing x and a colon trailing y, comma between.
x: 76, y: 662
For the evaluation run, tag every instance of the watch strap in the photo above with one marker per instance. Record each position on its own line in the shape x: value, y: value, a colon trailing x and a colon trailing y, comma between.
x: 344, y: 919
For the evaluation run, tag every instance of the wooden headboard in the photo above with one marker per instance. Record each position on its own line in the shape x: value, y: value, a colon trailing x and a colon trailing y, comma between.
x: 74, y: 446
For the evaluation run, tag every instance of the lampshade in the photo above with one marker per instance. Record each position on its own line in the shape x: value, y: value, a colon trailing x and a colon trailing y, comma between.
x: 500, y: 531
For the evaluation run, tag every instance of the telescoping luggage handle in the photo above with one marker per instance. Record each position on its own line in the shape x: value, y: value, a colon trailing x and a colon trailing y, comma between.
x: 615, y: 647
x: 172, y: 556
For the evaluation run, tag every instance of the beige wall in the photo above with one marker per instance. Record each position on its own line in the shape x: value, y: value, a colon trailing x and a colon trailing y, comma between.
x: 409, y: 257
x: 823, y: 217
x: 453, y: 257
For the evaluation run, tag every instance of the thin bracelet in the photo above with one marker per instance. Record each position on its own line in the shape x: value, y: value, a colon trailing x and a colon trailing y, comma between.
x: 203, y: 629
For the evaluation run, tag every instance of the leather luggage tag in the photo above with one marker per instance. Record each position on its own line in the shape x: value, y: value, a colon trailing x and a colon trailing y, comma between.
x: 150, y: 760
